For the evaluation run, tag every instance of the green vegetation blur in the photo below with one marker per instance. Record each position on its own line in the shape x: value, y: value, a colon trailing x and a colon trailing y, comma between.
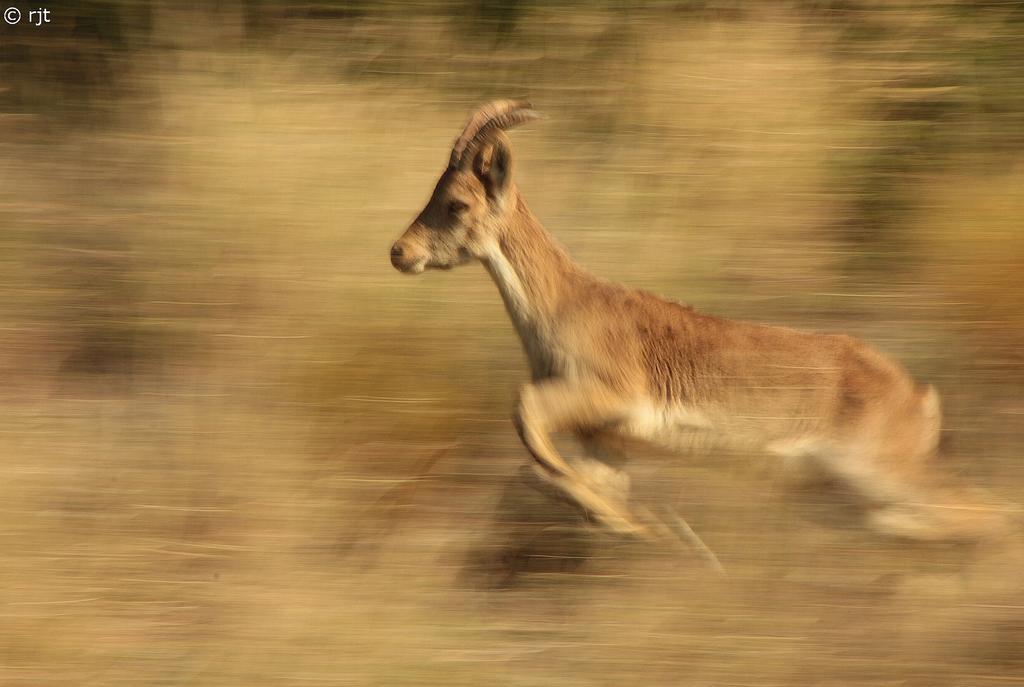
x: 238, y: 448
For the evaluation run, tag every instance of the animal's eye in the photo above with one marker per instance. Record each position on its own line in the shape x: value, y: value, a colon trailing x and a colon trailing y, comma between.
x: 457, y: 206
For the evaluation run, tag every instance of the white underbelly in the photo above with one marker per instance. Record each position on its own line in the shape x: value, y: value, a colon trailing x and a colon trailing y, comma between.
x: 673, y: 427
x: 689, y: 428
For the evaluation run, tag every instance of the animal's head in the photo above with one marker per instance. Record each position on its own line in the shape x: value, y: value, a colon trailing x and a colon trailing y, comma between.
x: 469, y: 206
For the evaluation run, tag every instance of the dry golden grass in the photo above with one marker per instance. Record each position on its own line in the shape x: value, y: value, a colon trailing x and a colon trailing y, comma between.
x: 236, y: 504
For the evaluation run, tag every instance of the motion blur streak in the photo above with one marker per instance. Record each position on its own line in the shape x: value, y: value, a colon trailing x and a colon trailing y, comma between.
x: 239, y: 449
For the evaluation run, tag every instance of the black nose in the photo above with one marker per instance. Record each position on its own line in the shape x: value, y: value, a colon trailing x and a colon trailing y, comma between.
x: 396, y: 251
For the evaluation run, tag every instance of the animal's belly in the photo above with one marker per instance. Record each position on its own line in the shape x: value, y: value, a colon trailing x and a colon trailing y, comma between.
x: 689, y: 428
x: 681, y: 427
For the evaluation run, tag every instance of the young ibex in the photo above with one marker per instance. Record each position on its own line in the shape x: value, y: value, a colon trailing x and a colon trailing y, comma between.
x: 606, y: 359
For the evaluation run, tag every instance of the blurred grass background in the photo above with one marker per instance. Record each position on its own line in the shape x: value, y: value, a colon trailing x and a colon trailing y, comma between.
x: 219, y: 397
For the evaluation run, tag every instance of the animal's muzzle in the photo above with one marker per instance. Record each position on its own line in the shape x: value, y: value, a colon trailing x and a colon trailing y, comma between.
x: 405, y: 260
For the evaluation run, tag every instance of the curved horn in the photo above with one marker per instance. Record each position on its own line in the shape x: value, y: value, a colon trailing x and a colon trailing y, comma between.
x: 497, y: 114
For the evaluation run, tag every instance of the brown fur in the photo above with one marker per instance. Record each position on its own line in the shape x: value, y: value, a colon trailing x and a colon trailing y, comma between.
x: 604, y: 356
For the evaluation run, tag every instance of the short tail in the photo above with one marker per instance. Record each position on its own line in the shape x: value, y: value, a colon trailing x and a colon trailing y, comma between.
x: 930, y: 408
x: 931, y: 404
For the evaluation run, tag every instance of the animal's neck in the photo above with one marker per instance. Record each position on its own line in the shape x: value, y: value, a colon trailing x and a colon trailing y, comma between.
x: 535, y: 277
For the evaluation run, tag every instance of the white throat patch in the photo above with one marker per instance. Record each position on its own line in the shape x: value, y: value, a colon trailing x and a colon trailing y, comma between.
x: 504, y: 274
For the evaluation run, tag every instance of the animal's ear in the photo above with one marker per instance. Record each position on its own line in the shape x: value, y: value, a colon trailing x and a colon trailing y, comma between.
x: 493, y: 166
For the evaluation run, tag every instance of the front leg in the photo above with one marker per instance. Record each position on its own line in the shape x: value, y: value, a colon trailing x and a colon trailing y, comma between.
x: 553, y: 406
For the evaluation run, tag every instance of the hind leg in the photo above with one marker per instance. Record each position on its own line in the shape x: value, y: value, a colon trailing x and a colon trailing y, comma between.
x: 910, y: 499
